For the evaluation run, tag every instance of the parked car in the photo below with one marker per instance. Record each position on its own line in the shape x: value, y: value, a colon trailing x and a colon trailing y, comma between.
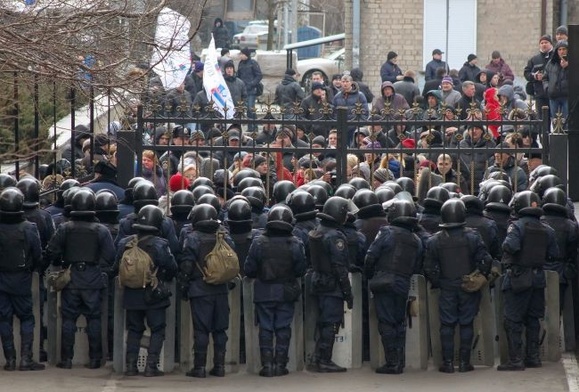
x: 327, y: 65
x: 250, y: 36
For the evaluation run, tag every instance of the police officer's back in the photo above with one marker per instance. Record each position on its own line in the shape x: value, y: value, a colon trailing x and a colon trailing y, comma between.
x: 528, y: 246
x: 430, y: 216
x: 148, y: 303
x: 497, y: 208
x: 21, y: 255
x: 330, y: 282
x: 240, y: 228
x: 394, y: 255
x: 181, y: 204
x: 86, y: 247
x: 303, y: 207
x: 370, y: 216
x: 452, y: 253
x: 209, y: 302
x: 276, y: 258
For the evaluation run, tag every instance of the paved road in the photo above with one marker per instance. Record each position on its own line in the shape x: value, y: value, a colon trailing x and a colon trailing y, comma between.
x: 550, y: 378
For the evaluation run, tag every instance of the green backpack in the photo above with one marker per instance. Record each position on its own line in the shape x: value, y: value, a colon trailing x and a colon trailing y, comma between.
x: 136, y: 268
x: 221, y: 264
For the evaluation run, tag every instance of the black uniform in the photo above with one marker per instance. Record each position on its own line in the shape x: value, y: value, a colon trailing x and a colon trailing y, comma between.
x: 140, y: 305
x: 21, y: 255
x: 85, y: 246
x: 392, y: 258
x: 276, y: 258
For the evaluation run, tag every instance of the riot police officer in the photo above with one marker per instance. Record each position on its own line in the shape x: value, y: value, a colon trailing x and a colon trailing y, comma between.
x: 566, y: 231
x: 276, y: 259
x: 144, y: 193
x: 209, y: 302
x: 452, y: 253
x: 181, y: 204
x: 86, y: 247
x: 21, y: 254
x: 58, y: 206
x: 240, y: 228
x: 392, y: 258
x: 330, y: 282
x: 303, y: 206
x: 486, y: 227
x: 528, y: 246
x: 497, y: 208
x: 430, y: 218
x: 371, y: 216
x: 30, y: 188
x: 149, y: 303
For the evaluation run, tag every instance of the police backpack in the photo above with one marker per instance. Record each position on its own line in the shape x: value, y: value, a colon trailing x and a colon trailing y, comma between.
x: 222, y: 263
x: 136, y: 268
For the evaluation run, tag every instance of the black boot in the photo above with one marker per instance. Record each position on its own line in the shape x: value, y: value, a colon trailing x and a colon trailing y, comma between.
x: 199, y: 362
x: 515, y: 343
x: 281, y: 360
x: 132, y: 369
x: 26, y: 361
x: 447, y: 344
x: 10, y: 355
x: 66, y: 351
x: 267, y: 368
x: 392, y: 365
x: 151, y: 368
x: 533, y: 357
x: 466, y: 338
x: 218, y: 364
x: 326, y: 365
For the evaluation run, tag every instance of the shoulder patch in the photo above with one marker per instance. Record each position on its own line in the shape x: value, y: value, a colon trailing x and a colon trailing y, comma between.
x: 340, y: 245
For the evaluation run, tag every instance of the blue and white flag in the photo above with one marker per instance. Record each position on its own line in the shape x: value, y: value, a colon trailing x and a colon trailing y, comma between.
x: 214, y: 83
x: 171, y: 57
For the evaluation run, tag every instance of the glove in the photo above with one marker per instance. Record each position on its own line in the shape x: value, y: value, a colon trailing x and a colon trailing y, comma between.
x: 349, y: 300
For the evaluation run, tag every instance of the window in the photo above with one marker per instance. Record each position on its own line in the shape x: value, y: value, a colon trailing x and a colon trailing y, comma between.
x: 461, y: 30
x: 240, y: 6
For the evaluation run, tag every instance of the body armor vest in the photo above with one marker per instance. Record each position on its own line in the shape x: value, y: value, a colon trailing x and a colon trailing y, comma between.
x: 13, y: 247
x: 454, y: 254
x: 242, y: 243
x: 533, y: 247
x: 319, y: 255
x: 401, y: 259
x: 81, y: 243
x: 276, y: 264
x: 352, y: 241
x: 561, y: 227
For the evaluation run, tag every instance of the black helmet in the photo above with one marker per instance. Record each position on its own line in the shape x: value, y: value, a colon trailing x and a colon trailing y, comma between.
x: 64, y: 186
x: 281, y: 190
x: 323, y: 184
x: 244, y: 173
x: 393, y: 185
x: 452, y: 187
x: 31, y: 191
x: 555, y: 199
x: 301, y: 202
x: 319, y: 193
x: 384, y: 193
x: 473, y: 204
x: 144, y: 193
x: 407, y: 185
x: 365, y: 198
x: 202, y: 181
x: 202, y: 212
x: 436, y: 197
x: 210, y: 198
x: 182, y: 202
x: 401, y: 210
x: 129, y: 189
x: 280, y: 213
x: 219, y: 177
x: 6, y: 181
x: 543, y: 183
x: 83, y: 203
x: 68, y: 194
x: 106, y: 201
x: 453, y: 214
x: 359, y: 183
x: 499, y: 196
x: 526, y: 202
x: 540, y: 171
x: 11, y: 201
x: 346, y: 191
x: 256, y: 197
x: 247, y: 182
x: 239, y: 211
x: 201, y: 190
x: 149, y: 218
x: 336, y: 209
